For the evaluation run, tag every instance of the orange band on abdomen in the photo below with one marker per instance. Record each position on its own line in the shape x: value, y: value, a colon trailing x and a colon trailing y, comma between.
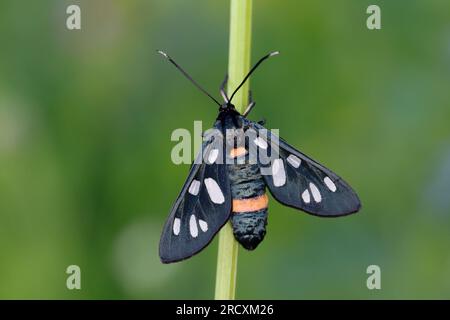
x: 237, y: 152
x: 251, y: 204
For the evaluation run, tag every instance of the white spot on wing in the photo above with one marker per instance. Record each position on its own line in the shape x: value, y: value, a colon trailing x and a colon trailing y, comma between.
x: 330, y: 184
x: 315, y: 192
x: 294, y: 161
x: 193, y: 226
x: 176, y: 226
x: 203, y: 225
x: 215, y: 194
x: 194, y: 187
x: 260, y: 142
x: 212, y: 157
x: 305, y: 196
x: 278, y: 173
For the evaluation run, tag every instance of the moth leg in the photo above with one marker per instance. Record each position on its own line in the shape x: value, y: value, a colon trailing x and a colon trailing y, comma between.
x: 262, y: 121
x: 251, y: 104
x: 222, y: 89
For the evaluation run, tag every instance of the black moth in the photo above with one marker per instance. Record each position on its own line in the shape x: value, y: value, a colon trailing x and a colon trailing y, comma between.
x: 217, y: 191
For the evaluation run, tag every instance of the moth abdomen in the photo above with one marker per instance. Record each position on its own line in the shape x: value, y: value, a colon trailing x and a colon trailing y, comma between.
x: 249, y: 204
x: 249, y: 228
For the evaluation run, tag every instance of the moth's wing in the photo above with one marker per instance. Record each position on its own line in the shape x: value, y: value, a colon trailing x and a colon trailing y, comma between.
x: 202, y: 207
x: 298, y: 181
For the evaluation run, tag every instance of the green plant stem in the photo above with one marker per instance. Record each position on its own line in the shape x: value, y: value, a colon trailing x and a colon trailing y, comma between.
x: 238, y: 66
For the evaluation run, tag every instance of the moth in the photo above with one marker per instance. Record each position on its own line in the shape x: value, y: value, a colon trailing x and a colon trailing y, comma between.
x: 229, y: 178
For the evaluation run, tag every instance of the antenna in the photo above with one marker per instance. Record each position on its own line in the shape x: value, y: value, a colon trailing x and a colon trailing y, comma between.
x: 271, y: 54
x: 165, y: 55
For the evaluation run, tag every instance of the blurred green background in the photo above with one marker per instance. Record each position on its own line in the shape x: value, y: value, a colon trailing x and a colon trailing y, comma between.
x: 85, y: 124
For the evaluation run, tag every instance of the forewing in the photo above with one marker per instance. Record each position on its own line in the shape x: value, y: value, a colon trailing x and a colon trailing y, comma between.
x: 202, y: 207
x: 296, y: 180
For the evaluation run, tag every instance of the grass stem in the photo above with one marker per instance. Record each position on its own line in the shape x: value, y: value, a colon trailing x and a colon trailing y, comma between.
x: 238, y: 66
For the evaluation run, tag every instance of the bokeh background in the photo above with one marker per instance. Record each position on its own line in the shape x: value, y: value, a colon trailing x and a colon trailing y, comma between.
x: 85, y: 124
